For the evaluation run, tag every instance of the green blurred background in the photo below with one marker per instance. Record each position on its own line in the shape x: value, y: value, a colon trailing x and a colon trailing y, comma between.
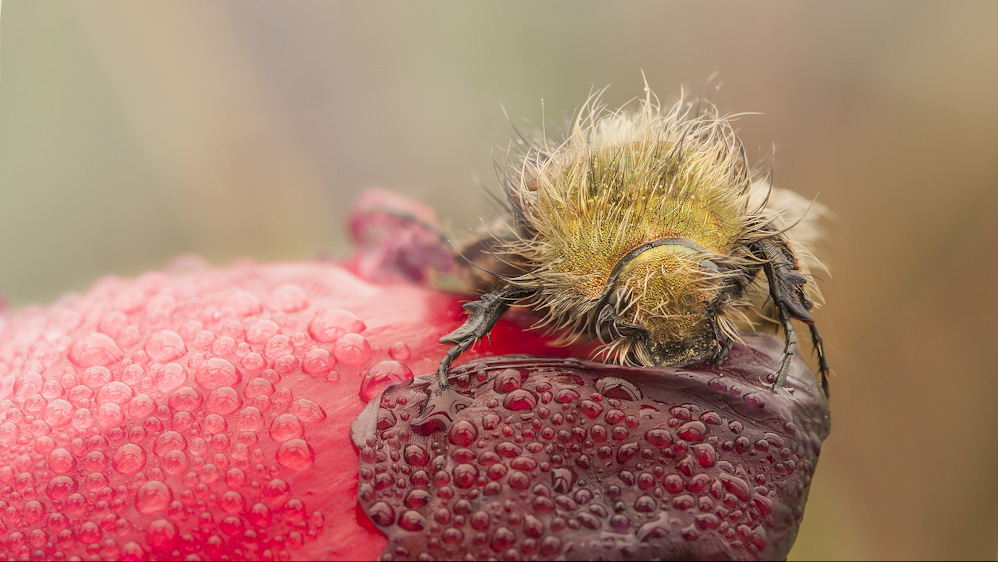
x: 131, y: 132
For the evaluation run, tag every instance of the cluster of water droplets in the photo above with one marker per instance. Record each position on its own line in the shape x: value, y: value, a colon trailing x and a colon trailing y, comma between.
x: 154, y: 419
x: 543, y: 462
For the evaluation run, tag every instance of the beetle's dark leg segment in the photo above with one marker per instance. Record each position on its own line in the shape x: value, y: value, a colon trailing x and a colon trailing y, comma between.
x: 485, y: 312
x: 819, y: 347
x: 788, y: 348
x: 786, y: 288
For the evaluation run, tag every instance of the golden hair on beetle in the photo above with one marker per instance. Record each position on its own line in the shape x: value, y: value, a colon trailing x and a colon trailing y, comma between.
x: 644, y: 228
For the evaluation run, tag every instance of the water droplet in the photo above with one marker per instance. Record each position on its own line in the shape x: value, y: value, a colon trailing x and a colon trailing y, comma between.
x: 109, y: 415
x: 465, y: 475
x: 61, y: 461
x: 399, y: 351
x: 95, y: 349
x: 412, y: 520
x: 295, y: 454
x: 318, y: 361
x: 141, y: 406
x: 463, y: 433
x: 520, y: 399
x: 692, y: 431
x: 95, y: 377
x: 590, y: 409
x: 736, y: 486
x: 162, y: 535
x: 216, y: 372
x: 172, y: 377
x: 416, y: 455
x: 508, y: 381
x: 614, y: 387
x: 562, y: 480
x: 278, y: 346
x: 57, y: 413
x: 381, y: 376
x: 261, y: 331
x: 115, y: 392
x: 352, y: 349
x: 153, y: 496
x: 165, y: 346
x: 185, y: 399
x: 60, y: 487
x: 128, y: 459
x: 704, y: 454
x: 223, y: 400
x: 330, y: 325
x: 9, y: 432
x: 243, y: 303
x: 287, y: 298
x: 286, y: 426
x: 307, y: 411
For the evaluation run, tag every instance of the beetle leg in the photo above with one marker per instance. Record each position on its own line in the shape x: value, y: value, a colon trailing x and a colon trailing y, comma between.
x: 484, y: 313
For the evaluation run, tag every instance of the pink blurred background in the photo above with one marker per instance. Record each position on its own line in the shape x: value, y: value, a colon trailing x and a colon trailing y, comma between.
x: 132, y: 132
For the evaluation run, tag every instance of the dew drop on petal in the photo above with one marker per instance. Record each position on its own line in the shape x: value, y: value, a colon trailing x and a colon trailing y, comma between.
x: 330, y: 325
x: 307, y: 410
x: 318, y: 361
x: 61, y: 461
x: 153, y: 496
x: 57, y: 413
x: 286, y: 426
x: 162, y: 535
x: 95, y: 349
x: 399, y: 351
x: 216, y: 372
x: 128, y: 459
x: 287, y: 298
x: 352, y: 349
x: 223, y: 400
x: 295, y: 454
x: 380, y: 376
x: 165, y: 346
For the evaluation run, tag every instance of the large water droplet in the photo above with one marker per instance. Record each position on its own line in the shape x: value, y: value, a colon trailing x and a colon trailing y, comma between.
x: 330, y: 325
x: 153, y: 496
x: 287, y: 298
x: 165, y: 346
x: 614, y: 387
x: 352, y: 349
x: 61, y: 461
x: 463, y: 433
x: 172, y: 377
x: 95, y: 349
x: 161, y: 534
x: 307, y: 410
x: 318, y: 361
x: 520, y: 399
x: 416, y: 455
x: 216, y: 372
x: 185, y: 399
x: 115, y: 392
x: 95, y: 377
x: 223, y: 400
x: 128, y: 459
x: 295, y: 454
x: 692, y: 431
x: 381, y: 376
x: 286, y: 426
x: 57, y: 413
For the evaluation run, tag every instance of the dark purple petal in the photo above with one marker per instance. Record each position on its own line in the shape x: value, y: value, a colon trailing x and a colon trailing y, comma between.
x: 544, y: 458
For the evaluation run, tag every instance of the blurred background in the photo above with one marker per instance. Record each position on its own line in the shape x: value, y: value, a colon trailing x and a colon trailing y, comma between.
x: 132, y: 132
